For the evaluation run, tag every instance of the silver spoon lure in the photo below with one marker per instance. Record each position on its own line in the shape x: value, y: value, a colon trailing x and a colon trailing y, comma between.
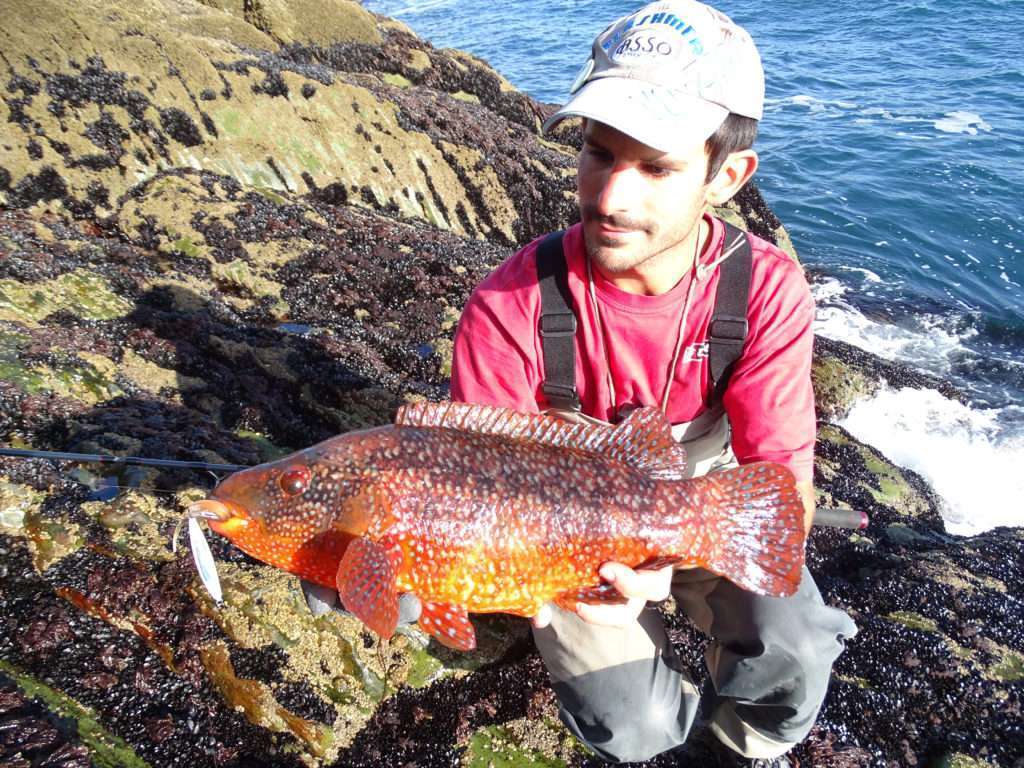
x: 201, y: 555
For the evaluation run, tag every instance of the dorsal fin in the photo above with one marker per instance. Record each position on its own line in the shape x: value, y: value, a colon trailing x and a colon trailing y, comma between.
x: 643, y: 440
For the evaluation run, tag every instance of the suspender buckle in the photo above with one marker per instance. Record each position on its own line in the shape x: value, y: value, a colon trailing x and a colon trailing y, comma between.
x: 561, y: 396
x: 557, y: 324
x: 728, y: 329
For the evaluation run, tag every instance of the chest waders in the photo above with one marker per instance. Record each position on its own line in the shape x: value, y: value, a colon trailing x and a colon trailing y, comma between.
x: 622, y: 691
x: 707, y: 438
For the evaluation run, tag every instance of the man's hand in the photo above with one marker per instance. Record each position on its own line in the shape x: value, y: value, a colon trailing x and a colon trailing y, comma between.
x: 637, y: 586
x: 321, y: 600
x: 806, y: 490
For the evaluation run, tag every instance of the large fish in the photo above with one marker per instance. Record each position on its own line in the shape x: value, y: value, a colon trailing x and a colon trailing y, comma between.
x: 483, y: 509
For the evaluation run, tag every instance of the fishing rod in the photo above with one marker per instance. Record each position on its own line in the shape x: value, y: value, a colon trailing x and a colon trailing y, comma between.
x: 832, y: 517
x: 101, y: 458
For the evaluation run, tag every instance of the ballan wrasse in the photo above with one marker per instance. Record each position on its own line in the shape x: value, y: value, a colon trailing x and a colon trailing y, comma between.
x: 484, y: 509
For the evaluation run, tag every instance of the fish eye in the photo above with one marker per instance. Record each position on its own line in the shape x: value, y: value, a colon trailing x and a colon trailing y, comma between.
x: 294, y: 481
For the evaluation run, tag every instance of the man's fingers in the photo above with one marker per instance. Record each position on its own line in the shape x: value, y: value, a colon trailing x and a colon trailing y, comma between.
x: 647, y: 585
x: 409, y: 608
x: 542, y: 618
x: 320, y: 599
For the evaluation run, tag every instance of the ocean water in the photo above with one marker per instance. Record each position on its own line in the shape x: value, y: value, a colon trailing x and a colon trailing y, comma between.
x: 892, y: 148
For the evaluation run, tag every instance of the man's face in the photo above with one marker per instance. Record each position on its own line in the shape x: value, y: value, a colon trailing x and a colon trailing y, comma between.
x: 640, y: 206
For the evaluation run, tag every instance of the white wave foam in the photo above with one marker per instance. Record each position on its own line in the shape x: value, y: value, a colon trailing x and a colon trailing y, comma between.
x: 827, y: 289
x: 813, y: 103
x: 963, y: 453
x: 931, y: 346
x: 871, y: 277
x: 962, y: 122
x: 881, y: 113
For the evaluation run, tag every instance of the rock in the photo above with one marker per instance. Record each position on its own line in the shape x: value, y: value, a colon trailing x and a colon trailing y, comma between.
x: 113, y: 95
x: 843, y: 374
x: 229, y: 233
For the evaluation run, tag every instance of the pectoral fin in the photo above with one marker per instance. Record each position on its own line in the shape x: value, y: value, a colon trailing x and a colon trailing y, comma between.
x: 366, y: 584
x: 449, y: 624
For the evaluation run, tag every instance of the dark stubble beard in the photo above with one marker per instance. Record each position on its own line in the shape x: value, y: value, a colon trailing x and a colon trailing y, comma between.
x: 600, y: 250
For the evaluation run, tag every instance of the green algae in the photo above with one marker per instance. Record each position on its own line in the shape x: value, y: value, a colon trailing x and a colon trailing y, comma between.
x: 886, y: 485
x: 914, y: 621
x: 80, y: 292
x: 72, y: 378
x: 184, y: 246
x: 27, y: 379
x: 134, y: 521
x: 495, y: 747
x: 959, y: 760
x: 892, y: 487
x: 424, y: 667
x: 1010, y: 669
x: 860, y: 682
x: 444, y: 348
x: 105, y: 749
x: 271, y: 195
x: 418, y: 60
x: 240, y: 274
x: 81, y: 381
x: 17, y: 503
x: 396, y: 80
x: 837, y: 386
x: 268, y: 451
x: 49, y: 539
x: 229, y: 121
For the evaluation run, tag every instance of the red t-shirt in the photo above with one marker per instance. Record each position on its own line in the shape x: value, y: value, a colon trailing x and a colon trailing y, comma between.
x: 498, y: 358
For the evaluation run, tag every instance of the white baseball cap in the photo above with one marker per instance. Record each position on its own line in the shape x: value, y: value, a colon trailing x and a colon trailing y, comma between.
x: 668, y: 75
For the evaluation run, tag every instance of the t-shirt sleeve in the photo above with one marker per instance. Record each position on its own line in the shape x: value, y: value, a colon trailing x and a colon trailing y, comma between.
x: 494, y: 361
x: 770, y: 400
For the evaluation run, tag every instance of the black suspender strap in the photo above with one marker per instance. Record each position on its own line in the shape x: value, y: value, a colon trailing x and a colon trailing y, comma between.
x: 557, y: 325
x: 728, y: 329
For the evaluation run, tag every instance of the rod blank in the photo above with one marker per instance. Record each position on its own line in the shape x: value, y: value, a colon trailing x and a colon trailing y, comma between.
x: 100, y: 458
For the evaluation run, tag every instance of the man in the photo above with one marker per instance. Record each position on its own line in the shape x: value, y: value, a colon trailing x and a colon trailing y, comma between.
x: 670, y: 100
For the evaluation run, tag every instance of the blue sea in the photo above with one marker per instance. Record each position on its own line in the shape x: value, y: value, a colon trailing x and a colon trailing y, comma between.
x: 892, y: 148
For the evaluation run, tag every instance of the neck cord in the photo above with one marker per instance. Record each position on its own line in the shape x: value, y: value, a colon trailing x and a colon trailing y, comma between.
x: 699, y: 273
x: 696, y: 272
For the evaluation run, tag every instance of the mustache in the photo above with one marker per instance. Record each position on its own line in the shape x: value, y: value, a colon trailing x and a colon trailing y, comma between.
x: 590, y: 212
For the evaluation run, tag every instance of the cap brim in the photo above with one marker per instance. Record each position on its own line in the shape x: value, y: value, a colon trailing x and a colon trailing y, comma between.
x: 659, y: 117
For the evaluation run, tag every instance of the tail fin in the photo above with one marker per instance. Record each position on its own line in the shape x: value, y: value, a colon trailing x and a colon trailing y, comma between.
x: 755, y: 527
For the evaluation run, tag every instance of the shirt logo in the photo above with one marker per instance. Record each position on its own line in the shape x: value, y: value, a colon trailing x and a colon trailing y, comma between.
x: 696, y: 352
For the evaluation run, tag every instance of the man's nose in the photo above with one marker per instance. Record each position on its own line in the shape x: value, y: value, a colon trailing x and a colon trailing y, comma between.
x: 619, y: 190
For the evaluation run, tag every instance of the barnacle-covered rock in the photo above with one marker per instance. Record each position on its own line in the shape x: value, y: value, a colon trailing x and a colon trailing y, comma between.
x: 228, y: 233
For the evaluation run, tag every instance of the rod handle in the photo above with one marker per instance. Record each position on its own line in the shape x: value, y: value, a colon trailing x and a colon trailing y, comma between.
x: 834, y: 517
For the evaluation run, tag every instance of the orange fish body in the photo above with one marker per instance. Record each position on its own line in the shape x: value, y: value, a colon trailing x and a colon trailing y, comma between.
x: 483, y: 509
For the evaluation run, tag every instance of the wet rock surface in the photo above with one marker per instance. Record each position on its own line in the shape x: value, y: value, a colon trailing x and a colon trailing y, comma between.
x: 193, y: 266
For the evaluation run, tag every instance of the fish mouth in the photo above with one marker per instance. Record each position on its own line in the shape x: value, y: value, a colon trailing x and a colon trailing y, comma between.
x: 207, y: 509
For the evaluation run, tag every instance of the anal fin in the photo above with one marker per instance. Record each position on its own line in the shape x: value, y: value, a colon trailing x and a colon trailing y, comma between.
x: 366, y: 584
x: 449, y: 624
x: 657, y: 563
x: 602, y: 594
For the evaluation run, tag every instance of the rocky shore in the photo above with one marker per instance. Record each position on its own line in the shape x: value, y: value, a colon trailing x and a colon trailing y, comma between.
x: 227, y: 232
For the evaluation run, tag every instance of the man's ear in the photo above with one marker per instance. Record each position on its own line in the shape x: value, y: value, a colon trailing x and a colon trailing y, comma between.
x: 734, y: 173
